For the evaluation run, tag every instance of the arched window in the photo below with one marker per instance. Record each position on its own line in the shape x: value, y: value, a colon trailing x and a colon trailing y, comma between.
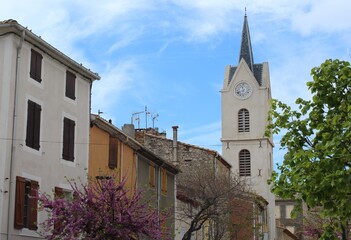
x: 243, y: 120
x: 244, y: 163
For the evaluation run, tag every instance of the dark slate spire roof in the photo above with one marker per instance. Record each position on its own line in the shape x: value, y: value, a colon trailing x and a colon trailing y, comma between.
x: 246, y: 54
x: 245, y: 48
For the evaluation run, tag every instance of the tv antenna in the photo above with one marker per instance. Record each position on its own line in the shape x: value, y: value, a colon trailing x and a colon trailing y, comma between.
x: 154, y: 118
x: 136, y: 117
x: 146, y: 113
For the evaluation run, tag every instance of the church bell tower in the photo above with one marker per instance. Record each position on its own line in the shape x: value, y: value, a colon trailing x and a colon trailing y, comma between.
x: 246, y: 96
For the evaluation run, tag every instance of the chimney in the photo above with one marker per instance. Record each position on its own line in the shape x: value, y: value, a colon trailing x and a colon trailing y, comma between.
x: 175, y: 144
x: 129, y: 130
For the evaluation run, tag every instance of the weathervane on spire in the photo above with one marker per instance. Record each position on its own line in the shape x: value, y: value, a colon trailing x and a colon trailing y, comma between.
x: 245, y: 11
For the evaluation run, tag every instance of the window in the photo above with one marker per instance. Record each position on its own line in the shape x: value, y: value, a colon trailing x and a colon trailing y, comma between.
x: 288, y: 211
x: 243, y: 120
x: 70, y: 85
x: 26, y: 203
x: 112, y: 156
x: 68, y: 139
x: 33, y: 125
x: 152, y: 176
x: 244, y: 163
x: 277, y: 211
x: 35, y: 65
x: 164, y: 181
x: 64, y: 194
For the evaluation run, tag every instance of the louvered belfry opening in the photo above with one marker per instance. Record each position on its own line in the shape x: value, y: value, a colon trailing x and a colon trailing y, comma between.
x: 244, y: 163
x: 243, y: 120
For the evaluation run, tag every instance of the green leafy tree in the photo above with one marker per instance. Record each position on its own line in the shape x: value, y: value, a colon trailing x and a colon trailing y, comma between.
x: 317, y: 139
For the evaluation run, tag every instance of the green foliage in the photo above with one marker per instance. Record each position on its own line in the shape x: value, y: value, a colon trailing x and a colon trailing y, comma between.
x: 316, y: 168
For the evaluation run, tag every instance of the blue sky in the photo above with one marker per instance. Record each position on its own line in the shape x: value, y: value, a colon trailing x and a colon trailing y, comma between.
x: 170, y: 55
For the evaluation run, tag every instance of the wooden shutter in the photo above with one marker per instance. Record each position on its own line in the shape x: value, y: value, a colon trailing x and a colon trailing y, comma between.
x: 33, y: 125
x: 164, y: 181
x: 58, y: 192
x: 112, y: 157
x: 68, y: 139
x: 70, y: 85
x: 33, y: 205
x: 152, y: 175
x: 30, y: 124
x: 19, y: 202
x: 36, y: 127
x: 35, y: 65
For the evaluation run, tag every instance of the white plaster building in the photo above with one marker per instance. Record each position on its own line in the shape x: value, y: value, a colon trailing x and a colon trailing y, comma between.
x: 246, y: 96
x: 44, y: 131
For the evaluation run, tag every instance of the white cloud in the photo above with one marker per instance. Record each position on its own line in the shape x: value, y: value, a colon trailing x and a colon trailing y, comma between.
x: 129, y: 35
x: 325, y: 16
x: 116, y: 79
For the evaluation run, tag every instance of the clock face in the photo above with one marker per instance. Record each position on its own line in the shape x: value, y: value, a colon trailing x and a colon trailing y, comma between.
x: 243, y: 90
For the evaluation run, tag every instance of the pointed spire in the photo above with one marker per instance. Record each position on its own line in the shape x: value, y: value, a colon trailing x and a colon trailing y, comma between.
x: 245, y: 48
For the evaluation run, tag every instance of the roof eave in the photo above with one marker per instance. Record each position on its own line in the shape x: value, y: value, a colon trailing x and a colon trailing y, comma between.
x: 12, y: 26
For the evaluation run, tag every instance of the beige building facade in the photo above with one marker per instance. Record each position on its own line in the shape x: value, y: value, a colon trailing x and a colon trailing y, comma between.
x: 246, y: 96
x: 44, y: 131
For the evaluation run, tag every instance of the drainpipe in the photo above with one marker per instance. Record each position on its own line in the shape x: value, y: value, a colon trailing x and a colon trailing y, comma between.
x: 159, y: 189
x: 14, y: 121
x: 175, y: 161
x: 175, y: 145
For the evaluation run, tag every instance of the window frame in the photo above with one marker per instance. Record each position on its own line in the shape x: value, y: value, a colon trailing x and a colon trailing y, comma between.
x: 35, y: 65
x: 244, y: 163
x: 26, y: 195
x: 243, y: 120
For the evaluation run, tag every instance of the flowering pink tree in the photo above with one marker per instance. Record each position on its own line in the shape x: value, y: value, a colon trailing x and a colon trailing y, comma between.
x: 102, y: 209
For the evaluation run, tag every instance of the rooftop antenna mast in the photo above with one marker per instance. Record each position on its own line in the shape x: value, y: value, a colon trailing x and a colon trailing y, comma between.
x: 153, y: 120
x: 135, y: 117
x: 146, y: 113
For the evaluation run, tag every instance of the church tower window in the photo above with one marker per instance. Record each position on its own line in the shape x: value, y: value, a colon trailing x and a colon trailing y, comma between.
x: 244, y: 120
x: 244, y: 163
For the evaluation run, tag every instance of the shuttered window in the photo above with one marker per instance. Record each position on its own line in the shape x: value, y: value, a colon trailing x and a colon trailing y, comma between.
x: 164, y: 181
x: 112, y: 156
x: 152, y: 176
x: 59, y: 193
x: 70, y: 85
x: 243, y: 120
x: 33, y: 125
x: 26, y: 204
x: 35, y: 65
x: 68, y: 139
x: 244, y: 163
